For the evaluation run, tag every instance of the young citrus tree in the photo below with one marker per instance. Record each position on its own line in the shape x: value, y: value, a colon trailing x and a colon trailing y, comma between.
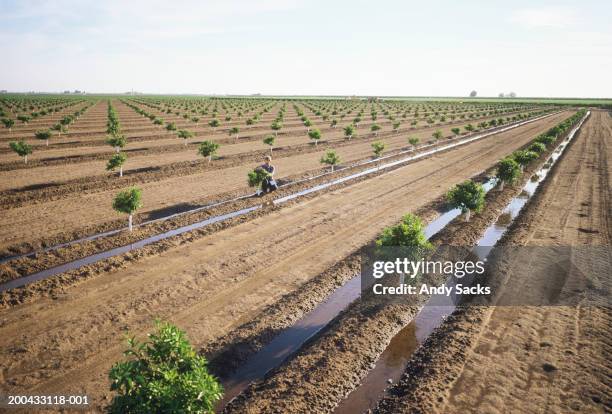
x: 307, y: 124
x: 508, y: 170
x: 334, y: 123
x: 468, y: 196
x: 456, y: 131
x: 127, y: 202
x: 414, y: 141
x: 256, y: 177
x: 276, y: 126
x: 375, y: 128
x: 410, y: 232
x: 378, y: 147
x: 269, y: 140
x: 59, y: 128
x: 315, y: 135
x: 330, y: 158
x: 116, y: 161
x: 171, y: 126
x: 524, y: 157
x: 396, y: 126
x: 537, y: 147
x: 234, y: 131
x: 437, y: 134
x: 22, y: 149
x: 349, y: 131
x: 43, y: 135
x: 163, y: 375
x: 185, y: 135
x: 208, y: 149
x: 214, y: 124
x: 117, y: 142
x: 8, y: 123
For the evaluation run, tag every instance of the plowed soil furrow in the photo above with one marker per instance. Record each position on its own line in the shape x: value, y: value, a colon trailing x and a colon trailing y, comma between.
x: 167, y: 141
x: 32, y: 222
x: 526, y: 359
x: 157, y: 155
x: 217, y: 282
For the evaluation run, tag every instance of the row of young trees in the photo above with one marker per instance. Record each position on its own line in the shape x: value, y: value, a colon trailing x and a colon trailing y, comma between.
x: 24, y: 149
x: 467, y: 196
x: 511, y: 168
x: 117, y: 140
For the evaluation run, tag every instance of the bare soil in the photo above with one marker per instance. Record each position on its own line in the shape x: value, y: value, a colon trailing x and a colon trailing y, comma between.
x: 91, y: 211
x: 220, y: 281
x: 334, y: 363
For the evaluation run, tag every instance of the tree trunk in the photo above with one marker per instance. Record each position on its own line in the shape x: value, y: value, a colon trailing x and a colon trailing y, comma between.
x: 121, y: 171
x: 47, y: 142
x: 209, y: 158
x: 270, y: 150
x: 467, y: 215
x: 332, y: 168
x: 130, y: 222
x: 501, y: 185
x: 117, y: 150
x: 25, y: 158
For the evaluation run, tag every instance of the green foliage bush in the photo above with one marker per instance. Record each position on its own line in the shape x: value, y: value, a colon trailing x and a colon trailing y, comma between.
x: 409, y: 233
x: 537, y: 147
x: 378, y: 147
x: 128, y: 201
x: 256, y: 177
x: 468, y: 196
x: 208, y: 149
x: 22, y: 149
x: 163, y: 375
x: 508, y: 171
x: 330, y: 158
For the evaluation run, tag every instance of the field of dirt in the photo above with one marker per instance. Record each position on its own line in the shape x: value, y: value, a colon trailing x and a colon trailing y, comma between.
x: 527, y: 359
x: 89, y: 211
x: 217, y: 282
x: 369, y: 324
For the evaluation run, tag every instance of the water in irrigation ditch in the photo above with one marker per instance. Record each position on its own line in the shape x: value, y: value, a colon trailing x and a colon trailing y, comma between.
x: 392, y: 362
x: 292, y: 338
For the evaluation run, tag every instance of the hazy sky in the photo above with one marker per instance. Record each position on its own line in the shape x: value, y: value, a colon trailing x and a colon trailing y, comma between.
x: 425, y: 47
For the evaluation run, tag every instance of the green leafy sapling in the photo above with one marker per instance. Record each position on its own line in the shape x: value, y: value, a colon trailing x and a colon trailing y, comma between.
x: 127, y: 202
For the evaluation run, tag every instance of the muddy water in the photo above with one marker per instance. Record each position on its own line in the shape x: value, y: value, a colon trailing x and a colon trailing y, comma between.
x: 392, y: 362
